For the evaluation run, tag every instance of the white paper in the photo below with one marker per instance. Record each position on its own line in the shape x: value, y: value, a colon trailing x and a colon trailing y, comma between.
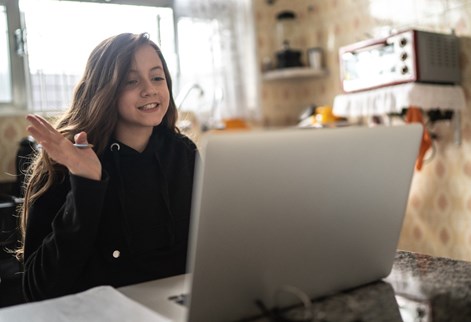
x: 102, y: 303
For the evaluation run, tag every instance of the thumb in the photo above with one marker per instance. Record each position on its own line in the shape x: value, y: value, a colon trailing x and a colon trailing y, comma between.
x: 81, y: 138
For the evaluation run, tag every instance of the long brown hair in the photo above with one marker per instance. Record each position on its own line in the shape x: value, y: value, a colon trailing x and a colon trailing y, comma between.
x: 93, y: 110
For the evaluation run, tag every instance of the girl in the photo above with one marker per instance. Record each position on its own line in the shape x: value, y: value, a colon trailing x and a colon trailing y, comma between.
x: 108, y: 199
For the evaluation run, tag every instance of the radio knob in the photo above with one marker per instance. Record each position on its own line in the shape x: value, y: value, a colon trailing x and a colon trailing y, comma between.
x: 404, y: 56
x: 404, y: 70
x: 403, y: 42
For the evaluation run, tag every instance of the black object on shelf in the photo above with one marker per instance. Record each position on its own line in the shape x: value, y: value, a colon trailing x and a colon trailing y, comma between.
x: 288, y: 58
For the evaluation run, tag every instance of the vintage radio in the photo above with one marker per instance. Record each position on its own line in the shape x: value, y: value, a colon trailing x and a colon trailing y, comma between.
x: 407, y: 56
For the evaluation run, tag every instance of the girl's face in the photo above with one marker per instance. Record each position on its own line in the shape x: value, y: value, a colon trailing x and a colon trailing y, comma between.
x: 145, y: 98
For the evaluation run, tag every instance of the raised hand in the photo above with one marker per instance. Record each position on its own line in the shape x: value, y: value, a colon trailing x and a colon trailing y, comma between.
x: 79, y: 161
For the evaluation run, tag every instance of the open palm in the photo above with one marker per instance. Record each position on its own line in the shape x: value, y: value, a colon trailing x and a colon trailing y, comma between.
x: 80, y: 162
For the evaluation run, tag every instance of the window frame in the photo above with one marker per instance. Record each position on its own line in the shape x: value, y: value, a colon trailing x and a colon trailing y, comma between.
x: 17, y: 62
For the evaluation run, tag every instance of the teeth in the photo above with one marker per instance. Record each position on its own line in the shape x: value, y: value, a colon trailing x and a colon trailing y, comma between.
x: 148, y: 106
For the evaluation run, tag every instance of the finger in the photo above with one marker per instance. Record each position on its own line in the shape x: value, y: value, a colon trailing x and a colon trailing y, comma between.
x: 43, y: 130
x: 81, y: 138
x: 45, y: 123
x: 38, y: 135
x: 34, y: 133
x: 33, y: 119
x: 37, y: 126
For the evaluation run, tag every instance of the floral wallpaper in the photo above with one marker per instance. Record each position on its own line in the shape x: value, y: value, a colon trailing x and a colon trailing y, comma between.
x: 438, y: 215
x: 12, y: 130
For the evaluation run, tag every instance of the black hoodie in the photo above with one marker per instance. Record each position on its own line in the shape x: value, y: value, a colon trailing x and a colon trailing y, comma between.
x: 130, y: 227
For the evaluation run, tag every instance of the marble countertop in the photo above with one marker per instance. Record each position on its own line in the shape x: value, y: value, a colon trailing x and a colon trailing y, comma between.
x: 441, y: 285
x: 420, y: 288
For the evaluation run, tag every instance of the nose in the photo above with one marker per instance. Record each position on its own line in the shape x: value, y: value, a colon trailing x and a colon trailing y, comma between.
x: 148, y: 89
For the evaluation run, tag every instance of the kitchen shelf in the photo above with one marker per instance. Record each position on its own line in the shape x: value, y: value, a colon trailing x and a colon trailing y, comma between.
x: 293, y: 72
x: 392, y: 99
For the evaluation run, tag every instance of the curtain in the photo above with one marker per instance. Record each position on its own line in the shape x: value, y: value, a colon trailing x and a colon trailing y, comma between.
x: 217, y: 77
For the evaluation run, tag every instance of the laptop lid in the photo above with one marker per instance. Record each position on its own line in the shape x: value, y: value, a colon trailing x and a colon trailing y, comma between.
x: 318, y: 210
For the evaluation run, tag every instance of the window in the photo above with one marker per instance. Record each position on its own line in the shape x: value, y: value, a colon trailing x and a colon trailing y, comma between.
x: 58, y: 35
x: 217, y: 60
x: 44, y: 45
x: 5, y: 72
x: 58, y: 46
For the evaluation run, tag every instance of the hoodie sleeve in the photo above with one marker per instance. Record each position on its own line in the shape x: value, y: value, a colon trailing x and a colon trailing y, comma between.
x: 61, y: 229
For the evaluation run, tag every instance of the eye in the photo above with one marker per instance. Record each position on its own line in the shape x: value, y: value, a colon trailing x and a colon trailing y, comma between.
x: 130, y: 83
x: 158, y: 78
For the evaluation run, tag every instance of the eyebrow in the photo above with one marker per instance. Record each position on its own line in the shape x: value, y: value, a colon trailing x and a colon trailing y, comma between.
x: 152, y: 69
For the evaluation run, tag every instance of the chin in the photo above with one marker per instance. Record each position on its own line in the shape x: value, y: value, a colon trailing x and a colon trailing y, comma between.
x: 158, y: 122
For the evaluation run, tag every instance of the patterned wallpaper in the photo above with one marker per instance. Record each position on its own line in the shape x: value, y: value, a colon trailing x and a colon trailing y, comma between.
x: 12, y: 130
x: 438, y: 216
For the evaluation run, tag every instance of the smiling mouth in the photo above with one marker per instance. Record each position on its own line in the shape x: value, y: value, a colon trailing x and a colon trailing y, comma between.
x: 148, y: 107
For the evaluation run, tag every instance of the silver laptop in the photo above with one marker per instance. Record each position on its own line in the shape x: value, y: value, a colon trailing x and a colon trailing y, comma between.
x: 312, y: 210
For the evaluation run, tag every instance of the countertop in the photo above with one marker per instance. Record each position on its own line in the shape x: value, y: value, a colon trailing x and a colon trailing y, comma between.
x: 419, y: 288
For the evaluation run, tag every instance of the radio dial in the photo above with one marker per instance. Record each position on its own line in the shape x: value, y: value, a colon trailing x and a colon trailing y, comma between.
x: 404, y: 70
x: 404, y: 56
x: 403, y: 42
